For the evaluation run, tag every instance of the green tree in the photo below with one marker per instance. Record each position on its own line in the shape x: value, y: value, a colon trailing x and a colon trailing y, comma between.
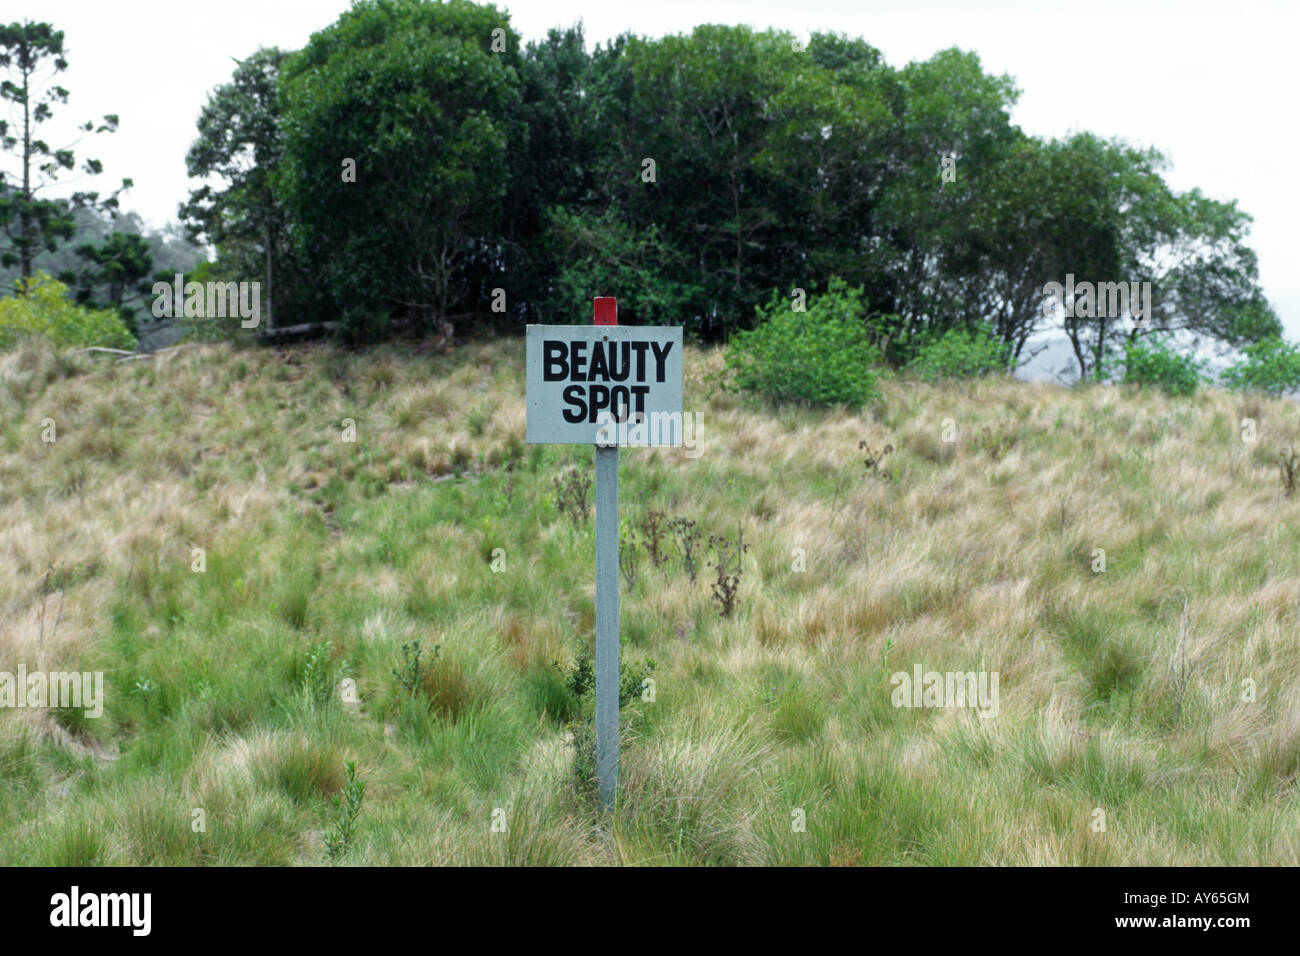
x: 1025, y: 222
x: 603, y: 255
x: 944, y: 108
x: 826, y: 156
x: 683, y: 121
x: 417, y: 95
x: 115, y: 274
x: 33, y: 55
x: 554, y: 170
x: 1127, y: 225
x: 241, y: 145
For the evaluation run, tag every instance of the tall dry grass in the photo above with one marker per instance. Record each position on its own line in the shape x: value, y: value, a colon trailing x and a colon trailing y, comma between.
x: 1160, y: 691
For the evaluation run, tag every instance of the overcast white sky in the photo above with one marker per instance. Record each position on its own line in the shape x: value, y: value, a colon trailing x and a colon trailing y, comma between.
x: 1210, y: 84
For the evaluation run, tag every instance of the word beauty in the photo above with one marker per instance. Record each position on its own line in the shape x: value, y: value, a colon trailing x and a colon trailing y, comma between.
x: 581, y: 377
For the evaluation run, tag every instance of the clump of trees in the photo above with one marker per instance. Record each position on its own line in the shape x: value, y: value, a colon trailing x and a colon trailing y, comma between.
x: 79, y: 245
x: 32, y: 56
x: 415, y: 163
x: 694, y: 174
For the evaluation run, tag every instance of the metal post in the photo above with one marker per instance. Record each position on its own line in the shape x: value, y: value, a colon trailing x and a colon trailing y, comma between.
x: 605, y: 312
x: 607, y: 624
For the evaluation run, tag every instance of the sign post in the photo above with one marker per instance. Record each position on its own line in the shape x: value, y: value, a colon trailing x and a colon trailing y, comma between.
x: 607, y: 623
x: 608, y: 386
x: 605, y: 313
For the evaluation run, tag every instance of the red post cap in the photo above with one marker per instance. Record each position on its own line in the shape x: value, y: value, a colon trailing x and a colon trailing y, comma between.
x: 605, y: 310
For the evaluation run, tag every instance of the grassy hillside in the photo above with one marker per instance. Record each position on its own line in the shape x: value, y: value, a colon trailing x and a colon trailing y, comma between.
x: 1119, y: 690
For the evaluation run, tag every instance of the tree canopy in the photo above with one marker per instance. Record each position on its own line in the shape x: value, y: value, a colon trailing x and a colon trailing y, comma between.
x: 31, y: 220
x: 693, y: 175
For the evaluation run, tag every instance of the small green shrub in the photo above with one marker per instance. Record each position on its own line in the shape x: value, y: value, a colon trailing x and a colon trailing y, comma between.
x: 728, y: 562
x: 582, y: 677
x: 687, y: 536
x: 1154, y: 362
x: 960, y: 353
x: 819, y: 357
x: 318, y: 673
x: 580, y: 682
x: 409, y: 674
x: 571, y: 490
x: 874, y: 457
x: 1271, y: 365
x: 1288, y: 463
x: 42, y: 307
x: 347, y: 807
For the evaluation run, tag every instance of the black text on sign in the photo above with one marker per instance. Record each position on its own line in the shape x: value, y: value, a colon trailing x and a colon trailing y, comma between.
x: 579, y: 377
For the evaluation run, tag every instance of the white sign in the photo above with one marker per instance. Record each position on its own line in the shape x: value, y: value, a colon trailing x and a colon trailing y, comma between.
x: 582, y: 379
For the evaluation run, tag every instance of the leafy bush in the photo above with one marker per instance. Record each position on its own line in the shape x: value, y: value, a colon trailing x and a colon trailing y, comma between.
x: 1271, y: 365
x: 580, y: 682
x: 42, y: 307
x: 606, y: 251
x: 959, y: 353
x: 728, y: 561
x: 318, y: 673
x: 1153, y: 361
x: 408, y: 675
x: 1288, y: 463
x: 347, y: 807
x: 822, y: 356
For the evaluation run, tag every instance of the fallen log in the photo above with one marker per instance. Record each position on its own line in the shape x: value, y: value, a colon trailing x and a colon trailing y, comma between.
x: 136, y: 356
x: 303, y: 329
x: 101, y: 348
